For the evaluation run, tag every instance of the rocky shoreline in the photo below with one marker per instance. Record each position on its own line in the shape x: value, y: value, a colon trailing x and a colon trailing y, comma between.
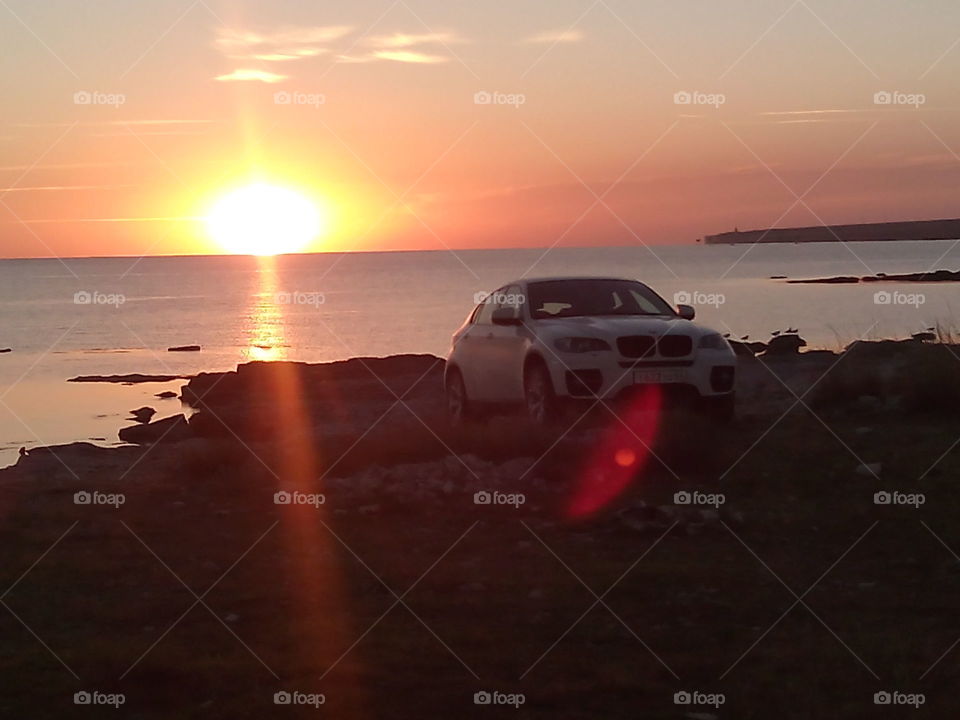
x: 265, y: 404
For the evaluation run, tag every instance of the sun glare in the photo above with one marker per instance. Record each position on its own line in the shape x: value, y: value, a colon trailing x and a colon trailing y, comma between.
x: 263, y: 219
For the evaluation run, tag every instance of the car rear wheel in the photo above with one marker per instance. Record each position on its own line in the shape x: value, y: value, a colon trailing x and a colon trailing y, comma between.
x: 539, y: 398
x: 458, y: 405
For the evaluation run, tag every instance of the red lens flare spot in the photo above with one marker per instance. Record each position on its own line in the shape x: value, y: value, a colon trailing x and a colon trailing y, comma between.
x: 625, y: 457
x: 621, y: 453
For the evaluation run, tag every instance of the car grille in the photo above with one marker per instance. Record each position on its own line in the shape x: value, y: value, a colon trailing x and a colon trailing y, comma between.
x: 635, y: 346
x: 645, y: 346
x: 675, y: 345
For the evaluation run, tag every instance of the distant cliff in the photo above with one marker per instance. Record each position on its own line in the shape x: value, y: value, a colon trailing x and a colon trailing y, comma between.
x: 911, y: 230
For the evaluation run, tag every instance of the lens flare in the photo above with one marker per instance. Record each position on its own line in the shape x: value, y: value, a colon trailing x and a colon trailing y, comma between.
x: 623, y: 451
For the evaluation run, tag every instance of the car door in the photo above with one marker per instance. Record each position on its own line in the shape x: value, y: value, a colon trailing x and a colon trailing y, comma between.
x: 507, y: 346
x: 473, y: 352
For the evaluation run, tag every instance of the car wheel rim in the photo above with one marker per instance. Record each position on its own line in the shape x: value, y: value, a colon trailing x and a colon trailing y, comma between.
x: 455, y: 400
x: 536, y: 399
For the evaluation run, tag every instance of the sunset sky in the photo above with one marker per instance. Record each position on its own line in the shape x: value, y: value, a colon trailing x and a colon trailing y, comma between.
x: 124, y: 122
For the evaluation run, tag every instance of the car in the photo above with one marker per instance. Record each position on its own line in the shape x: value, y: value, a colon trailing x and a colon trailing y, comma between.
x: 537, y: 343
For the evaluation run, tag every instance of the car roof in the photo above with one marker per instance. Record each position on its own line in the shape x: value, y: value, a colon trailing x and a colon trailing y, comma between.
x: 555, y: 278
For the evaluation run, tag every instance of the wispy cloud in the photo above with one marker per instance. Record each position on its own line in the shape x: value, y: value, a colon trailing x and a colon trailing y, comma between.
x: 58, y: 188
x: 553, y: 37
x: 409, y: 56
x: 288, y: 44
x: 250, y: 74
x: 282, y: 41
x: 415, y: 48
x: 406, y: 40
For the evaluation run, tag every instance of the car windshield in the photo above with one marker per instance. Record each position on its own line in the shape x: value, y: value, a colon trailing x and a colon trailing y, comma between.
x: 584, y: 298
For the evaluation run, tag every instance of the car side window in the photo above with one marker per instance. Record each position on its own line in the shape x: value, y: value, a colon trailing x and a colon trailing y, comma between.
x: 644, y: 303
x: 511, y: 298
x: 484, y: 313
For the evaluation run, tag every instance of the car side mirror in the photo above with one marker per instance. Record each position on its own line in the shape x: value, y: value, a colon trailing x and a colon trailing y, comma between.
x: 686, y: 312
x: 506, y: 316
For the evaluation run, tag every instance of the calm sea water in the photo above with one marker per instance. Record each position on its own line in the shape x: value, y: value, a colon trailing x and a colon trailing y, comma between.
x: 328, y: 307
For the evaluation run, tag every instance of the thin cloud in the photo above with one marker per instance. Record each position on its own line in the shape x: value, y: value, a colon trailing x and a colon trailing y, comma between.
x: 251, y: 75
x: 407, y: 40
x: 230, y: 40
x: 61, y: 166
x: 289, y: 54
x: 58, y: 188
x: 409, y: 56
x: 103, y: 123
x: 553, y: 37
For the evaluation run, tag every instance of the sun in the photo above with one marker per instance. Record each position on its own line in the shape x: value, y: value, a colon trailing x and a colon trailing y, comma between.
x: 262, y: 219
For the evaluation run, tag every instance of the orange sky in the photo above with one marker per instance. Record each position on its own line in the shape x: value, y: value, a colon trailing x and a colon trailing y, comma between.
x: 433, y: 125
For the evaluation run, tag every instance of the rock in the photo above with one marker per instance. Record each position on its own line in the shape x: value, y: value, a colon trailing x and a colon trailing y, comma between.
x: 785, y: 345
x: 130, y: 379
x: 143, y: 414
x: 869, y: 469
x: 184, y: 348
x: 166, y: 394
x: 742, y: 348
x: 171, y: 429
x: 757, y: 347
x: 5, y: 350
x: 924, y: 336
x: 778, y: 277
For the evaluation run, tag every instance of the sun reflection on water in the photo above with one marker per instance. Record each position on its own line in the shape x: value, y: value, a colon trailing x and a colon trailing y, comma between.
x: 265, y: 330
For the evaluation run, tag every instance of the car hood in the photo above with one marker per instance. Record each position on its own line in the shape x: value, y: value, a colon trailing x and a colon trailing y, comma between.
x: 605, y: 326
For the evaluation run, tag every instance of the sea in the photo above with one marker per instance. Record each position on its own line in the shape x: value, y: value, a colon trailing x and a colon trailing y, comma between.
x: 62, y: 318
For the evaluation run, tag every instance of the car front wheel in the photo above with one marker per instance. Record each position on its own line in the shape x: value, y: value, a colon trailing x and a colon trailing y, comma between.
x: 458, y: 406
x: 540, y: 400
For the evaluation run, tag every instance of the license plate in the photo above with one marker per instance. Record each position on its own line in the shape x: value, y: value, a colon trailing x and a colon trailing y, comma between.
x: 657, y: 377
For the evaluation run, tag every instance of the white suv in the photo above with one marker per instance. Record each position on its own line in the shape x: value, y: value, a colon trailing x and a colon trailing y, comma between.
x: 535, y: 342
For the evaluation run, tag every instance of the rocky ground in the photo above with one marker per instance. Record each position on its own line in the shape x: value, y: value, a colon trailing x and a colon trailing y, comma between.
x: 322, y: 530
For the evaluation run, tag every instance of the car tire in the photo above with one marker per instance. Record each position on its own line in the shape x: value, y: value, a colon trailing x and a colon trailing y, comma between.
x: 540, y: 401
x: 457, y: 402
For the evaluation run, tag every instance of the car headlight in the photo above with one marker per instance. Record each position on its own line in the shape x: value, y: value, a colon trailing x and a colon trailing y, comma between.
x: 581, y: 344
x: 713, y: 341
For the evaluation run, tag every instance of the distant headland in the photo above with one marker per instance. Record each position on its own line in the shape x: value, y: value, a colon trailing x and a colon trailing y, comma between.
x: 865, y: 232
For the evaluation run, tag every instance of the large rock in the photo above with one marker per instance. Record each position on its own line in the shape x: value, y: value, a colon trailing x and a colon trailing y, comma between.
x: 785, y: 345
x: 171, y: 429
